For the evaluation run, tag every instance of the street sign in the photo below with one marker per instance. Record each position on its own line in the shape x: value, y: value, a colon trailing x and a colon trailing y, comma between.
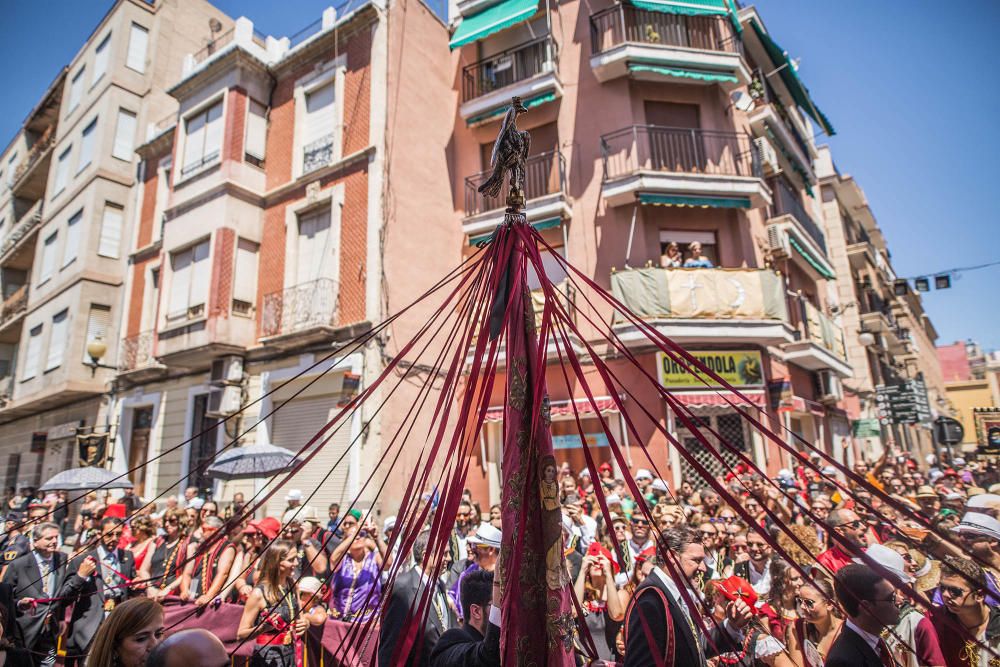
x: 948, y: 431
x: 903, y: 403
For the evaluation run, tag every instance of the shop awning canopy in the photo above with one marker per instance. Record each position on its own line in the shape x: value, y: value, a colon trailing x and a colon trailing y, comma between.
x: 682, y: 73
x: 692, y: 8
x: 719, y: 398
x: 491, y: 20
x: 529, y: 103
x: 605, y: 404
x: 796, y: 88
x: 698, y: 202
x: 812, y: 261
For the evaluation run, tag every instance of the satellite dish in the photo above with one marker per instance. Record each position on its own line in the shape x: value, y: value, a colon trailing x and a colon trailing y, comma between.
x: 742, y: 101
x: 214, y: 24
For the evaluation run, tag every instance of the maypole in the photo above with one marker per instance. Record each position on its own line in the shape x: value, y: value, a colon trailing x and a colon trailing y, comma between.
x: 538, y: 625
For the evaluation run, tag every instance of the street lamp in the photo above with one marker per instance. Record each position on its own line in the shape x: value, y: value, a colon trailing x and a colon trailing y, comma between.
x: 866, y: 338
x: 96, y: 350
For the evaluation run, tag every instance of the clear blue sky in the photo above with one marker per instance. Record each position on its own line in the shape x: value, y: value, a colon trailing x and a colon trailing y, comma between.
x: 909, y: 86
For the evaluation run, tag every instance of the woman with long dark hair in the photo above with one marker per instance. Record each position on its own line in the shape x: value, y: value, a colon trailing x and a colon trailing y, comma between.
x: 272, y: 615
x: 166, y: 563
x: 781, y: 611
x: 810, y: 637
x: 127, y: 635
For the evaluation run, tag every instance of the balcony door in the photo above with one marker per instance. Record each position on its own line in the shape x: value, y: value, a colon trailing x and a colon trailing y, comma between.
x: 138, y: 447
x: 674, y: 135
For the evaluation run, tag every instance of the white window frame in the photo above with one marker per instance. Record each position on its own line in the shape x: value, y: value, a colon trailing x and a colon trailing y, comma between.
x: 62, y: 170
x: 248, y: 155
x: 46, y: 245
x: 335, y: 70
x: 245, y: 287
x: 202, y: 109
x: 89, y: 132
x: 32, y: 352
x: 76, y: 90
x: 124, y: 145
x: 102, y: 251
x: 58, y: 336
x: 332, y: 197
x: 74, y: 227
x: 134, y: 29
x: 197, y: 294
x: 102, y: 55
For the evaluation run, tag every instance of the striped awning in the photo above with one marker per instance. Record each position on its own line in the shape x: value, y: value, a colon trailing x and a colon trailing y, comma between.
x: 683, y: 73
x: 694, y: 202
x: 812, y: 261
x: 529, y: 103
x: 492, y: 20
x: 605, y: 405
x: 719, y: 398
x: 692, y: 8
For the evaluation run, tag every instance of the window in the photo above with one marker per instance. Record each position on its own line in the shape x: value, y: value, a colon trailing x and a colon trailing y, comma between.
x: 189, y: 282
x: 76, y: 90
x: 33, y: 352
x: 683, y: 238
x: 98, y: 327
x: 87, y: 146
x: 253, y: 146
x: 245, y: 278
x: 48, y: 257
x: 203, y: 138
x: 101, y: 59
x: 11, y: 172
x: 137, y: 40
x: 318, y: 132
x: 111, y: 231
x: 62, y: 170
x: 124, y: 135
x: 553, y: 269
x: 72, y: 238
x: 57, y: 340
x: 313, y: 246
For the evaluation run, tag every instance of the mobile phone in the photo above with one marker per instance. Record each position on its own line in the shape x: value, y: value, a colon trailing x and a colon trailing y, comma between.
x: 363, y: 533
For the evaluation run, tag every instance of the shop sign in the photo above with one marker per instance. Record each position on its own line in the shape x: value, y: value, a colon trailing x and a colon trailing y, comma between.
x: 866, y: 428
x: 574, y: 442
x: 739, y: 368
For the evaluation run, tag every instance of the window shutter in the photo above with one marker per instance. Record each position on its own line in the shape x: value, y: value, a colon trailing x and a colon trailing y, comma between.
x: 201, y: 274
x: 57, y: 340
x: 33, y: 352
x: 137, y: 48
x: 194, y: 142
x: 48, y: 257
x: 98, y: 326
x: 76, y: 89
x: 314, y: 235
x: 245, y: 279
x: 62, y: 170
x: 111, y: 232
x: 72, y: 238
x: 319, y: 114
x: 87, y: 145
x: 124, y: 135
x: 213, y: 133
x: 256, y: 130
x: 180, y: 282
x: 101, y: 58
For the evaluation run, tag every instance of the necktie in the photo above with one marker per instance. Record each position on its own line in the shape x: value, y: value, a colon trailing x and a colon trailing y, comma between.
x: 46, y: 568
x: 885, y: 655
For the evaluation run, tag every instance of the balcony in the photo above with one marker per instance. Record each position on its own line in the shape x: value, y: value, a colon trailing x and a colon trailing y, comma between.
x: 771, y: 118
x: 137, y: 361
x: 303, y: 314
x: 681, y: 166
x: 877, y: 317
x: 806, y: 240
x: 651, y: 45
x: 728, y: 306
x: 527, y: 70
x: 819, y: 341
x: 17, y: 251
x: 860, y: 255
x: 11, y: 313
x: 544, y: 192
x: 28, y: 180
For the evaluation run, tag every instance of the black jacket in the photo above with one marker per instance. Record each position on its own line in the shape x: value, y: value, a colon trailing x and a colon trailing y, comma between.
x: 466, y: 647
x: 687, y: 650
x: 407, y: 593
x: 851, y: 650
x: 89, y: 597
x: 25, y: 579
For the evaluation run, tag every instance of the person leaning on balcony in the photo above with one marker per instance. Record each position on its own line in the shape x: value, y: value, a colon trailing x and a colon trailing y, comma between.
x: 671, y: 257
x: 695, y: 259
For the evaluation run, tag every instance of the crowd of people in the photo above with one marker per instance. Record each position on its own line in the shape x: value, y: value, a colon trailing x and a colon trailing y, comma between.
x: 812, y: 567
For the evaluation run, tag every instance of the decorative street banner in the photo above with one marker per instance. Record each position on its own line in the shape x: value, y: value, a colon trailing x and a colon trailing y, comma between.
x: 903, y: 403
x: 987, y: 430
x: 740, y: 368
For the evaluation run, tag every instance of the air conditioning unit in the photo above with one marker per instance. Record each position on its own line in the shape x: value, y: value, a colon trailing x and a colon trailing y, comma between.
x: 224, y: 401
x: 227, y: 370
x: 777, y: 242
x: 828, y: 387
x: 766, y: 155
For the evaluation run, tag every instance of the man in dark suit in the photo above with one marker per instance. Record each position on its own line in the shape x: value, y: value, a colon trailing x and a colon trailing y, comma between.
x: 658, y: 601
x: 100, y: 582
x: 409, y: 596
x: 870, y: 604
x: 37, y: 575
x: 477, y: 642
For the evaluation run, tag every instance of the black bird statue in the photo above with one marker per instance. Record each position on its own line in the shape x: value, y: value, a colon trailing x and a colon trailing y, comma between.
x: 509, y: 153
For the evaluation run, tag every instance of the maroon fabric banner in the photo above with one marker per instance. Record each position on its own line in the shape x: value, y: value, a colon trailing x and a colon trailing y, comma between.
x: 537, y: 617
x: 324, y: 645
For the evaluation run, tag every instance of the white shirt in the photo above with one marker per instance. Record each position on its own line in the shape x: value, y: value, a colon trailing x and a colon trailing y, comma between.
x: 50, y: 562
x: 635, y: 550
x: 870, y: 639
x: 760, y: 581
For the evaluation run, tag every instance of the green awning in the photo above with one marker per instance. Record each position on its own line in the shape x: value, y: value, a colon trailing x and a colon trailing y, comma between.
x: 677, y: 73
x: 788, y: 74
x: 540, y: 225
x: 812, y: 261
x: 529, y: 103
x: 693, y: 8
x: 491, y: 20
x: 701, y: 202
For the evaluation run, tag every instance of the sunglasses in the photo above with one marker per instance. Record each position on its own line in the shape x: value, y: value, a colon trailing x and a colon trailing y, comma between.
x: 805, y: 602
x: 708, y: 533
x: 639, y: 522
x: 953, y: 591
x: 853, y: 525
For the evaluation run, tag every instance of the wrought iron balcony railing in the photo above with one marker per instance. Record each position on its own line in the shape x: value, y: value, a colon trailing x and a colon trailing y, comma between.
x: 624, y: 23
x: 305, y: 306
x: 14, y: 305
x: 545, y: 174
x: 676, y: 149
x: 317, y: 154
x: 27, y: 224
x: 764, y: 94
x: 508, y: 67
x: 814, y: 326
x: 788, y: 202
x: 137, y: 351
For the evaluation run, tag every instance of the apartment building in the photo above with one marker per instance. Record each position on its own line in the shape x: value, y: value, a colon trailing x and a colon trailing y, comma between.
x: 656, y: 124
x: 272, y: 229
x: 68, y: 190
x: 890, y: 337
x: 972, y: 388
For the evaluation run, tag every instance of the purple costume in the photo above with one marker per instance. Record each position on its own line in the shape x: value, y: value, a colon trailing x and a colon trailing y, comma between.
x: 350, y: 599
